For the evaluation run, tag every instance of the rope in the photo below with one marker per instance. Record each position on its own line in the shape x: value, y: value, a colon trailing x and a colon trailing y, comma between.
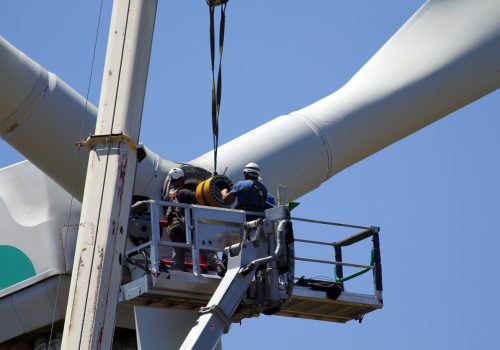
x: 77, y: 164
x: 216, y: 86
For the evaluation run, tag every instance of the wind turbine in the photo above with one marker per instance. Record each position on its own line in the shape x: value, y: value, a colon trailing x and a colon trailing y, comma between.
x: 383, y: 89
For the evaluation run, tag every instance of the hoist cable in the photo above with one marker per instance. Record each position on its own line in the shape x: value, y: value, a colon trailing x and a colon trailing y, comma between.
x: 216, y: 85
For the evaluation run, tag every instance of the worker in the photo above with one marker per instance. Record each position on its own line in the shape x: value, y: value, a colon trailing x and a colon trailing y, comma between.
x: 250, y: 192
x: 176, y: 228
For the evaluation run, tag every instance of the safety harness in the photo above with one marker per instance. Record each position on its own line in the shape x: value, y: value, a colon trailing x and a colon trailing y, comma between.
x: 256, y: 189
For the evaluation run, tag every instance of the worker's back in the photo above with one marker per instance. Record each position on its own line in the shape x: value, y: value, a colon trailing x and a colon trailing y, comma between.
x: 251, y: 195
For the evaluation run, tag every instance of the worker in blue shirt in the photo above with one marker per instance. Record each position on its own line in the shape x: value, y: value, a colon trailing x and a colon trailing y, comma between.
x: 250, y: 193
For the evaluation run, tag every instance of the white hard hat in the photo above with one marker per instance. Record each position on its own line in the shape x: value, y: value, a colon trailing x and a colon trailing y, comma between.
x: 252, y: 169
x: 175, y: 173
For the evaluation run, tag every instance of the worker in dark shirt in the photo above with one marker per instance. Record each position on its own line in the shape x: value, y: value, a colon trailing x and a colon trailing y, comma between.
x: 176, y: 192
x: 250, y: 193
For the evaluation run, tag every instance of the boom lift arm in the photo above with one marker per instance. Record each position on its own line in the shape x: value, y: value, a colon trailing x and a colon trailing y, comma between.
x: 254, y: 282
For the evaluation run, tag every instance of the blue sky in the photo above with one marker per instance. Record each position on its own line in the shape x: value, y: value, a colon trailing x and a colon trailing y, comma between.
x: 435, y: 194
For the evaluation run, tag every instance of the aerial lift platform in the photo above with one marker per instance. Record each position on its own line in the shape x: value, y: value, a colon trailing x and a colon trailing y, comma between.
x: 260, y: 278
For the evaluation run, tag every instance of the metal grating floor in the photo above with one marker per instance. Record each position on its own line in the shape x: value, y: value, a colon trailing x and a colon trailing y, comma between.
x: 315, y: 305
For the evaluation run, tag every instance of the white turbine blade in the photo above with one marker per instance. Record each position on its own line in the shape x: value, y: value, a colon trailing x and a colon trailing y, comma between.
x: 446, y: 56
x: 43, y: 118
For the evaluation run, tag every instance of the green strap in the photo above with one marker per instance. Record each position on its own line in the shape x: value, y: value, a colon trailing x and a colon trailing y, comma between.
x: 356, y: 274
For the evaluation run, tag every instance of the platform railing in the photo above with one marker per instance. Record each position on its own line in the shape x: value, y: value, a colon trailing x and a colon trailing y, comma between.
x: 366, y: 232
x: 195, y: 214
x: 155, y: 235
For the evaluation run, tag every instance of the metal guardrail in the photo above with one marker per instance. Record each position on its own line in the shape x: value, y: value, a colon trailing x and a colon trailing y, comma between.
x: 366, y: 232
x: 155, y: 236
x: 194, y: 243
x: 330, y: 223
x: 193, y: 215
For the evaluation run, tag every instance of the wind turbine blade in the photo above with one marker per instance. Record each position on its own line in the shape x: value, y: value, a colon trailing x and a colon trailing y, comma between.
x: 446, y: 56
x: 43, y: 118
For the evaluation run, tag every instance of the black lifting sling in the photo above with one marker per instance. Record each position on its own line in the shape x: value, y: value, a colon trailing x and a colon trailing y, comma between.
x: 216, y: 87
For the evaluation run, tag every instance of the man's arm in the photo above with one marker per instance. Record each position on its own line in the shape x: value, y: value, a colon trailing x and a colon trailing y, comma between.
x: 226, y: 196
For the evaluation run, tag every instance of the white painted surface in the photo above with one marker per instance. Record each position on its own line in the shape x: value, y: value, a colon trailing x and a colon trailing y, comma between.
x: 97, y: 269
x: 31, y: 100
x: 34, y: 211
x: 446, y: 56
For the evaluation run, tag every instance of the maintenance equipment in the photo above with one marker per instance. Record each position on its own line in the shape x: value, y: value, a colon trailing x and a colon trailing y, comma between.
x: 260, y: 275
x: 208, y: 191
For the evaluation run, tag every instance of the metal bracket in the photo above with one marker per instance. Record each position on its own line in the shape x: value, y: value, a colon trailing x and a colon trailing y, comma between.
x: 107, y: 138
x: 217, y: 311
